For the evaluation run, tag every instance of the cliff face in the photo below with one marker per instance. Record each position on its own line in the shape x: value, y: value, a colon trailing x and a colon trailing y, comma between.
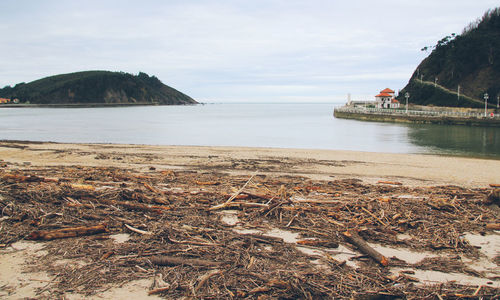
x: 470, y: 60
x: 96, y: 87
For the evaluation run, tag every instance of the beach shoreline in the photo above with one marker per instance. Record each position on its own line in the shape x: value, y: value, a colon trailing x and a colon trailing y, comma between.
x: 93, y: 221
x: 411, y: 169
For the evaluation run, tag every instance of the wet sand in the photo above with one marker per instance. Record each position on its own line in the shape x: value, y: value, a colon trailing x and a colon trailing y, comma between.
x: 410, y: 169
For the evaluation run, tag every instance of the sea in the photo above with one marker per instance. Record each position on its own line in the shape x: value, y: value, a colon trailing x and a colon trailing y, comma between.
x: 278, y: 125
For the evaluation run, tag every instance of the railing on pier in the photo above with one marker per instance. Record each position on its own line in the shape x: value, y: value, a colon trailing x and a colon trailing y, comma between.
x: 403, y: 112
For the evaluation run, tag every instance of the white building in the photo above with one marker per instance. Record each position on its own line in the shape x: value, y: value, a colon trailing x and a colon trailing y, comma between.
x: 386, y: 99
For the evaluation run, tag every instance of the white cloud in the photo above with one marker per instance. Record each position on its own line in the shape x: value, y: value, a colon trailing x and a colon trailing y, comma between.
x: 232, y: 49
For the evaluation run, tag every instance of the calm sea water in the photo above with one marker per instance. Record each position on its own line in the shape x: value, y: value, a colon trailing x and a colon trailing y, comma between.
x: 310, y: 126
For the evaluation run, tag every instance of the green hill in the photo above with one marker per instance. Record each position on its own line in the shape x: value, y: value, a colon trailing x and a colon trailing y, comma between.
x: 470, y: 60
x: 96, y: 87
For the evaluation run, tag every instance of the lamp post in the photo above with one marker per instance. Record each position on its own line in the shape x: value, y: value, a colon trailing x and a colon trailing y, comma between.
x: 407, y: 95
x: 485, y: 103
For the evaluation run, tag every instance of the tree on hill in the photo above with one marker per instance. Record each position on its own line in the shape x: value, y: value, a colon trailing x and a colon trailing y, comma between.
x: 470, y: 60
x: 96, y: 87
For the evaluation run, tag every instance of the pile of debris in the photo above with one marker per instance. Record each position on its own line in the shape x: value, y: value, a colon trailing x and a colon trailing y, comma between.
x: 214, y: 235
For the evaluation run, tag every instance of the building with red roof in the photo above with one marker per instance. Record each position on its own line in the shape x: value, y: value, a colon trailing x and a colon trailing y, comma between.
x: 386, y: 99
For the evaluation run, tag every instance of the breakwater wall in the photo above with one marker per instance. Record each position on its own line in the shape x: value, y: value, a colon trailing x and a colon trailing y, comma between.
x: 419, y: 117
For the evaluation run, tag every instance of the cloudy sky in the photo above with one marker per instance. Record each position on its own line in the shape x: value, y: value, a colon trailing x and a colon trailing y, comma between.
x: 234, y: 50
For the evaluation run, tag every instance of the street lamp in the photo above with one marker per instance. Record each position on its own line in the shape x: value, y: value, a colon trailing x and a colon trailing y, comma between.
x: 485, y: 103
x: 407, y: 95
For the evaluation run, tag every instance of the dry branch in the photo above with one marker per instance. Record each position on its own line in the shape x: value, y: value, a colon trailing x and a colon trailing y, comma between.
x: 149, y: 187
x: 363, y: 246
x: 158, y: 290
x: 374, y: 216
x: 174, y: 261
x: 204, y: 278
x: 225, y: 204
x: 136, y: 206
x: 319, y: 243
x: 66, y: 232
x: 493, y: 226
x: 390, y: 182
x: 137, y: 230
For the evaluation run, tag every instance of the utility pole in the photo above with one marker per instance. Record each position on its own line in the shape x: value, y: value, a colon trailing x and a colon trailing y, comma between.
x: 485, y: 103
x: 407, y: 95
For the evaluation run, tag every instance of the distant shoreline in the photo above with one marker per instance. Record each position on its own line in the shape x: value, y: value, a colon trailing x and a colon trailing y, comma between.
x: 86, y: 105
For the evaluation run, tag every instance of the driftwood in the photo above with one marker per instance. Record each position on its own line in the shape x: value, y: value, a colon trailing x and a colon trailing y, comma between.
x: 174, y: 261
x: 363, y: 246
x: 204, y: 278
x: 66, y: 232
x: 273, y: 283
x: 107, y: 255
x: 159, y: 290
x: 136, y: 206
x: 493, y: 226
x: 247, y: 205
x: 389, y: 182
x: 79, y: 186
x: 226, y: 204
x: 319, y: 243
x: 374, y: 216
x: 137, y: 230
x: 22, y: 178
x: 206, y: 182
x: 149, y: 187
x: 493, y: 197
x: 263, y: 238
x: 191, y: 242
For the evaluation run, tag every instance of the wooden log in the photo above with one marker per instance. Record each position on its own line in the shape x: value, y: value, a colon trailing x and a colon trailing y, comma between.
x: 107, y: 255
x: 204, y: 278
x: 47, y: 235
x: 159, y: 290
x: 319, y: 243
x: 493, y: 226
x: 493, y: 197
x: 137, y: 230
x: 389, y: 182
x: 149, y: 187
x: 136, y: 206
x: 79, y: 186
x: 263, y: 238
x: 21, y: 178
x: 247, y: 204
x: 206, y: 182
x: 175, y: 260
x: 363, y: 246
x: 260, y: 196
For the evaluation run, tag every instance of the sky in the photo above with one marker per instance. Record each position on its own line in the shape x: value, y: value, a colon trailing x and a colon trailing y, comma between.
x: 234, y: 50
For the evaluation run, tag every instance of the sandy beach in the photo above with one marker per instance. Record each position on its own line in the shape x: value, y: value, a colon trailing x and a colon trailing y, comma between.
x: 93, y: 221
x: 371, y: 167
